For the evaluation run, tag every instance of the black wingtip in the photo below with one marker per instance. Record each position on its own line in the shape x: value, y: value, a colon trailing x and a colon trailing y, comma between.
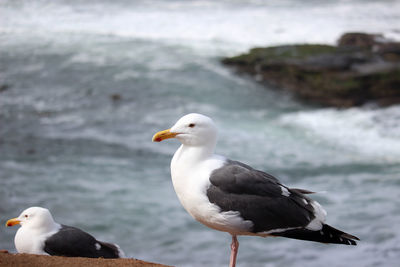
x: 348, y: 236
x: 350, y: 239
x: 327, y: 234
x: 109, y: 250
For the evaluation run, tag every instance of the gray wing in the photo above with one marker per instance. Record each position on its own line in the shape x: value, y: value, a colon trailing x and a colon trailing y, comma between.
x: 271, y: 206
x: 73, y: 242
x: 259, y: 197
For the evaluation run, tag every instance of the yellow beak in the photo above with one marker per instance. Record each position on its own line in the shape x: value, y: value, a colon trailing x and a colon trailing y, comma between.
x: 12, y: 222
x: 158, y: 137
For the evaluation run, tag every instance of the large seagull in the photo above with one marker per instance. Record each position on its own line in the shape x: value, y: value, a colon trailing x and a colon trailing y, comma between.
x: 233, y: 197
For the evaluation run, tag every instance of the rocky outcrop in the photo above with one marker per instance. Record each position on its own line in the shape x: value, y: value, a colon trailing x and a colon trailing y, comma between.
x: 361, y: 68
x: 4, y: 87
x: 30, y: 260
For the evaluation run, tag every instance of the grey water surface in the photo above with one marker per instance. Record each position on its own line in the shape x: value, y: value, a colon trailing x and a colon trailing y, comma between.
x: 87, y: 83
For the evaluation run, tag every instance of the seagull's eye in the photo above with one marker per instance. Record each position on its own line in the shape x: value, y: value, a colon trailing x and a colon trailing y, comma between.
x: 26, y: 216
x: 192, y: 125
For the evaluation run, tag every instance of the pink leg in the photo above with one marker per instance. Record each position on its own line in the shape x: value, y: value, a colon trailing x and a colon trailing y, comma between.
x: 234, y: 251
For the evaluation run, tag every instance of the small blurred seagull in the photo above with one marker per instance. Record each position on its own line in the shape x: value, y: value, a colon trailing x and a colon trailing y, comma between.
x: 40, y: 234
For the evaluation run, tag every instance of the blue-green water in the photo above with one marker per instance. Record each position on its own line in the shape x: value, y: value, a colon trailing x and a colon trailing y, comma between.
x: 65, y: 144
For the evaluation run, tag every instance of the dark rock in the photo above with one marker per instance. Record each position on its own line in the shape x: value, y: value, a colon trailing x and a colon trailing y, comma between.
x: 4, y: 87
x: 30, y: 151
x: 389, y: 52
x: 359, y: 40
x: 361, y: 69
x: 115, y: 97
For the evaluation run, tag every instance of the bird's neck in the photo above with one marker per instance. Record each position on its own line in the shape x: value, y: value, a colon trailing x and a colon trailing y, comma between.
x: 192, y: 154
x: 45, y: 227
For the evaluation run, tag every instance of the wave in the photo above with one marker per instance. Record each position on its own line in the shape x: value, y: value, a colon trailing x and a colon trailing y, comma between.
x: 372, y: 132
x: 227, y: 26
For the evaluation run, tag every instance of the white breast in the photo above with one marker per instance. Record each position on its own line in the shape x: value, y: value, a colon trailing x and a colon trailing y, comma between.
x: 191, y: 181
x: 31, y: 241
x: 27, y: 241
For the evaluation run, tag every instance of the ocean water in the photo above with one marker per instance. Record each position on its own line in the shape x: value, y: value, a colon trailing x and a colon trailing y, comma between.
x: 69, y: 143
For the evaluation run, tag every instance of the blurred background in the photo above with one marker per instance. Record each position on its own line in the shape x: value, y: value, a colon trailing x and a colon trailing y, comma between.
x: 85, y: 84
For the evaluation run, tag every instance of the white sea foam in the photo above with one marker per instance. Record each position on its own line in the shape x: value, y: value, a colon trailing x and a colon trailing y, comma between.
x: 373, y: 132
x: 203, y: 25
x: 71, y: 120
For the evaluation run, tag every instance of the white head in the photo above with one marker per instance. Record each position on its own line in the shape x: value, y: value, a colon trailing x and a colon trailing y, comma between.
x: 191, y: 130
x: 34, y: 218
